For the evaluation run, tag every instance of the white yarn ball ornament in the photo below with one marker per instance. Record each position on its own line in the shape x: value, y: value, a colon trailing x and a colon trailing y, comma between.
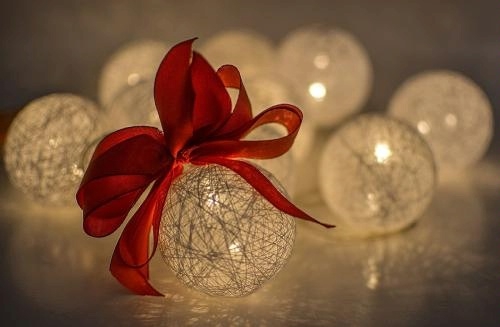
x: 134, y: 106
x: 267, y: 90
x: 377, y: 174
x: 330, y: 71
x: 45, y: 144
x: 251, y: 52
x: 132, y: 63
x: 220, y: 236
x: 450, y: 111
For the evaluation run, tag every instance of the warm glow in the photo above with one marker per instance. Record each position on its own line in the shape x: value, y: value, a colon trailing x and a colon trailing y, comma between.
x: 317, y: 90
x: 332, y: 70
x: 133, y: 79
x: 384, y: 181
x: 44, y: 147
x: 372, y: 202
x: 458, y: 125
x: 321, y: 61
x: 213, y: 198
x: 372, y: 274
x: 382, y: 152
x: 235, y: 248
x: 451, y: 120
x: 128, y: 66
x: 423, y: 127
x: 229, y: 247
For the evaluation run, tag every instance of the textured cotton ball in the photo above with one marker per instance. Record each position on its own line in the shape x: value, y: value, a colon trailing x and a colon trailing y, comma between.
x: 266, y: 90
x: 377, y: 174
x: 220, y: 236
x: 135, y: 62
x: 134, y: 106
x: 450, y: 111
x: 44, y: 146
x: 330, y: 71
x: 252, y: 53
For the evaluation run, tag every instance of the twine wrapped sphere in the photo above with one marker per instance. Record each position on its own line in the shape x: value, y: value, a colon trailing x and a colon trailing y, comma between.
x: 251, y: 52
x: 220, y: 236
x: 45, y: 145
x: 377, y: 174
x: 134, y: 106
x: 132, y: 63
x: 330, y: 71
x: 266, y: 90
x: 450, y: 111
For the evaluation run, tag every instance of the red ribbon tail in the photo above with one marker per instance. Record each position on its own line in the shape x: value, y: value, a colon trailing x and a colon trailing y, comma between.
x: 130, y: 262
x: 133, y: 278
x: 265, y: 187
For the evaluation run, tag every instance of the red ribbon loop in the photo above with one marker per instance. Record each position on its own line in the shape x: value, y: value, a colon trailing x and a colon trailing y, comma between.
x: 242, y: 112
x: 199, y: 128
x: 286, y: 115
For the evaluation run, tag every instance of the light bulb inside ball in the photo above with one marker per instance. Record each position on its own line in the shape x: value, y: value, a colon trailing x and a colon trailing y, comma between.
x: 317, y: 91
x: 382, y: 152
x: 450, y: 111
x: 219, y: 235
x: 377, y: 174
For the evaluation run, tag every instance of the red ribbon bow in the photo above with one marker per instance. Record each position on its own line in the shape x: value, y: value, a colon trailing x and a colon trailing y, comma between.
x: 199, y: 128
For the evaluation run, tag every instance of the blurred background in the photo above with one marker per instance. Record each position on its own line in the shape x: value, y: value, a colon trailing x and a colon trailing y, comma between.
x: 51, y: 45
x: 443, y: 272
